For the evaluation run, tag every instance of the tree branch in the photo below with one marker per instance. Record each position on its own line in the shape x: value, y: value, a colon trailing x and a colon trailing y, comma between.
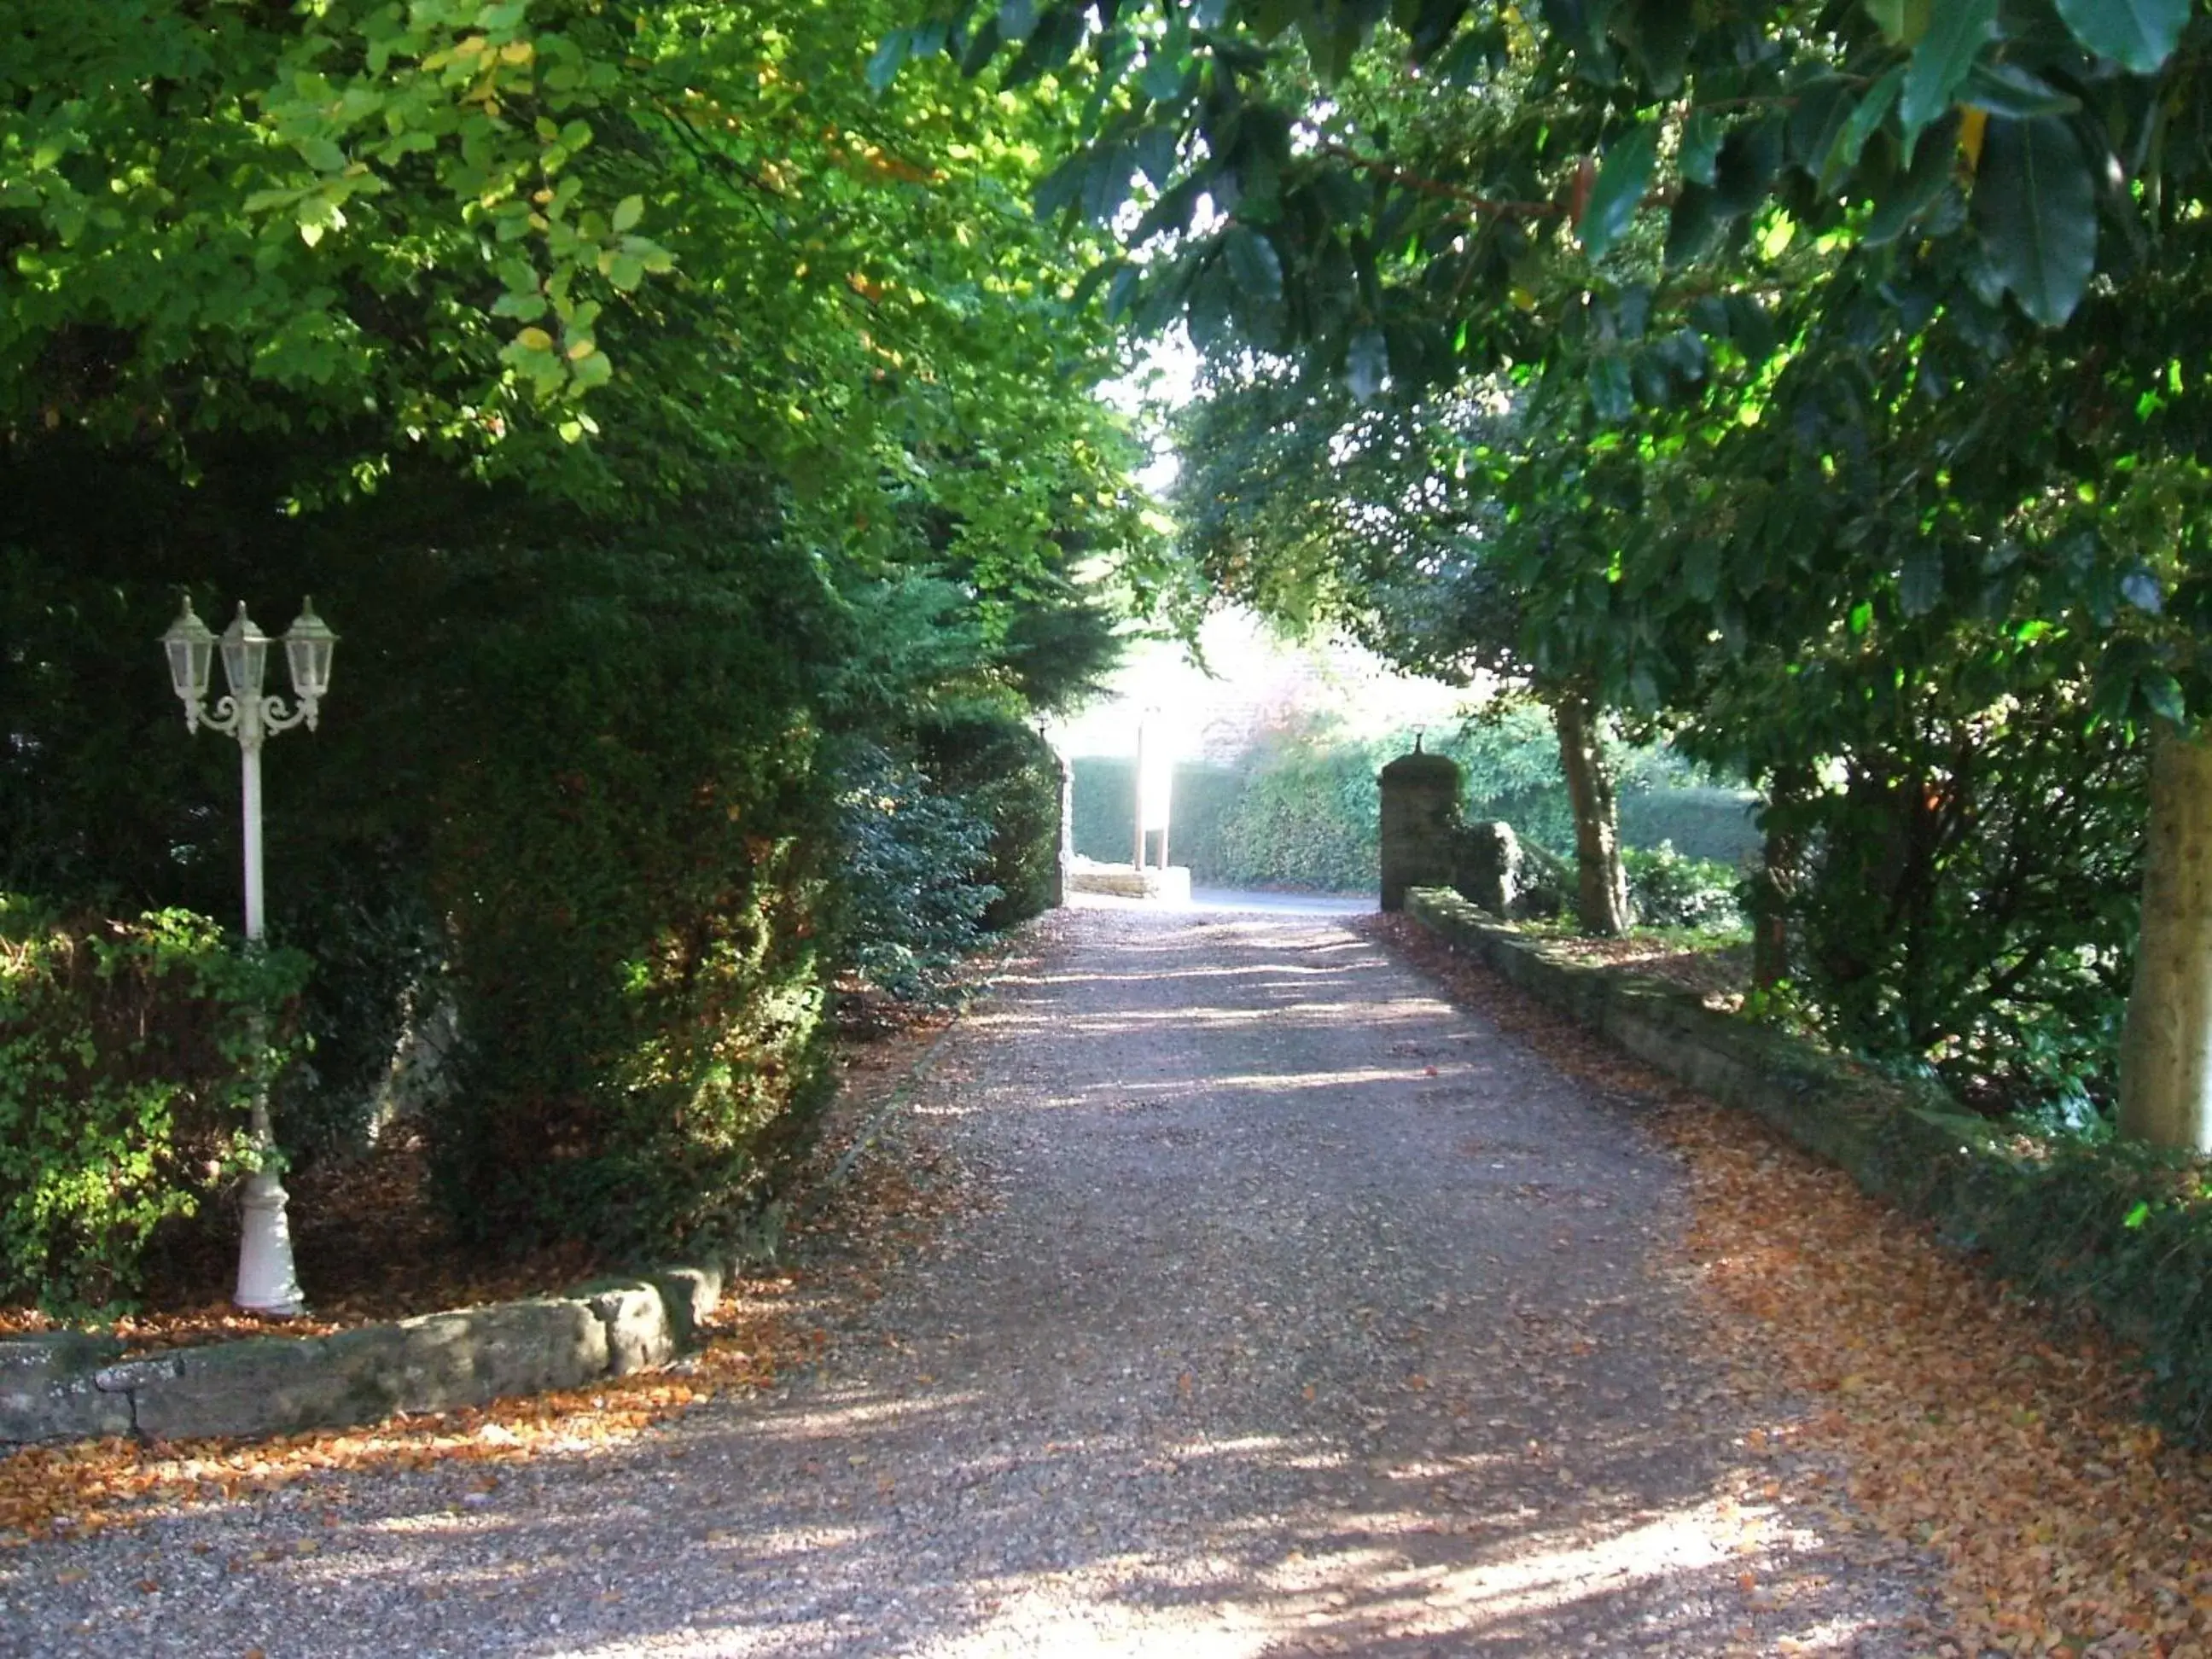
x: 1473, y: 201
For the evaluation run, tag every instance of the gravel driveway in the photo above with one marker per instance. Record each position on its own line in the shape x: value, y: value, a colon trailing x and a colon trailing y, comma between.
x: 1306, y: 1314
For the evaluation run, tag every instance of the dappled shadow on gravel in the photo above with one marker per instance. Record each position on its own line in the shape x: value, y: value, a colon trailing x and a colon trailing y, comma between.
x: 1297, y: 1312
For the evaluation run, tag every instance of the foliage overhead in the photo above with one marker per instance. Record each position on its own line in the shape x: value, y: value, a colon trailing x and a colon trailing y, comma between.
x: 1851, y: 433
x: 1734, y: 262
x: 1314, y: 509
x: 606, y: 249
x: 2037, y: 143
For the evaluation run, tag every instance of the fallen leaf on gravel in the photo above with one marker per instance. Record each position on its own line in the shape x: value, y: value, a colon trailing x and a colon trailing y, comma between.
x: 2065, y: 1523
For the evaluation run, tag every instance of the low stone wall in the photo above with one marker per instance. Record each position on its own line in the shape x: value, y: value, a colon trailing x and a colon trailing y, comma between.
x: 72, y: 1386
x: 1895, y: 1139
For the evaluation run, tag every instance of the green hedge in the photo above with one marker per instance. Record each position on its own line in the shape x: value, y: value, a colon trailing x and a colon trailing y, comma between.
x: 1307, y: 818
x: 1009, y: 777
x: 1304, y: 812
x: 909, y: 903
x: 1105, y: 802
x: 940, y: 848
x: 571, y: 781
x: 1709, y: 824
x: 634, y: 872
x: 567, y: 775
x: 130, y: 1054
x: 1667, y: 890
x: 1297, y: 819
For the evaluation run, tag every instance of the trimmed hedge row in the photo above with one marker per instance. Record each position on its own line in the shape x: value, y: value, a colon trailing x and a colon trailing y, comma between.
x: 2118, y: 1234
x: 1009, y: 777
x: 634, y: 874
x: 1105, y: 803
x: 1306, y: 816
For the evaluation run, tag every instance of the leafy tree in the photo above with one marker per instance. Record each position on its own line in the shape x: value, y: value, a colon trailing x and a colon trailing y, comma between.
x: 1397, y: 247
x: 1308, y: 507
x: 436, y: 230
x: 655, y: 404
x: 1752, y: 263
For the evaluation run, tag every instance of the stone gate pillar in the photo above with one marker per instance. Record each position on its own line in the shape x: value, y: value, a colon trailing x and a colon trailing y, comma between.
x: 1420, y: 813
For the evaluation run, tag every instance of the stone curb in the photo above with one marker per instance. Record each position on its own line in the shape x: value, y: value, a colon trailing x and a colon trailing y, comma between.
x: 72, y: 1386
x: 1899, y: 1140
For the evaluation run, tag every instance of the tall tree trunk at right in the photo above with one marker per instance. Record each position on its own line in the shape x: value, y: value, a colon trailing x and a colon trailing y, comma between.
x: 1601, y: 881
x: 1775, y: 878
x: 2166, y: 1047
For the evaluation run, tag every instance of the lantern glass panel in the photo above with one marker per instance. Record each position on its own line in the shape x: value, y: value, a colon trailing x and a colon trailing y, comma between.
x: 244, y: 654
x: 189, y: 646
x: 308, y: 646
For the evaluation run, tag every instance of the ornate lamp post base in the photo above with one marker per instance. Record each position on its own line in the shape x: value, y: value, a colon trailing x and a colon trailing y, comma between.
x: 265, y: 1281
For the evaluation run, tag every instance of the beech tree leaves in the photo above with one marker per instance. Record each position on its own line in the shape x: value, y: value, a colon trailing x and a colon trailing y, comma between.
x: 2036, y: 207
x: 1956, y: 34
x: 1620, y: 185
x: 2139, y: 35
x: 2023, y: 142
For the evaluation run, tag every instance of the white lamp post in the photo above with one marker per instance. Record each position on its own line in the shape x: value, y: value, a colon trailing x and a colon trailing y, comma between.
x: 266, y: 1282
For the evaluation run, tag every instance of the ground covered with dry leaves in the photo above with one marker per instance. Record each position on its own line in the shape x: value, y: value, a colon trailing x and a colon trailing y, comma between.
x: 1216, y: 1290
x: 369, y: 1244
x: 2067, y: 1524
x: 874, y: 1212
x: 1281, y: 1308
x: 372, y: 1244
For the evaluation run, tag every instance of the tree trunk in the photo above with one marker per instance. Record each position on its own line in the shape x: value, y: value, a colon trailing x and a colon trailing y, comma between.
x: 1602, y: 882
x: 1774, y: 882
x: 2165, y: 1048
